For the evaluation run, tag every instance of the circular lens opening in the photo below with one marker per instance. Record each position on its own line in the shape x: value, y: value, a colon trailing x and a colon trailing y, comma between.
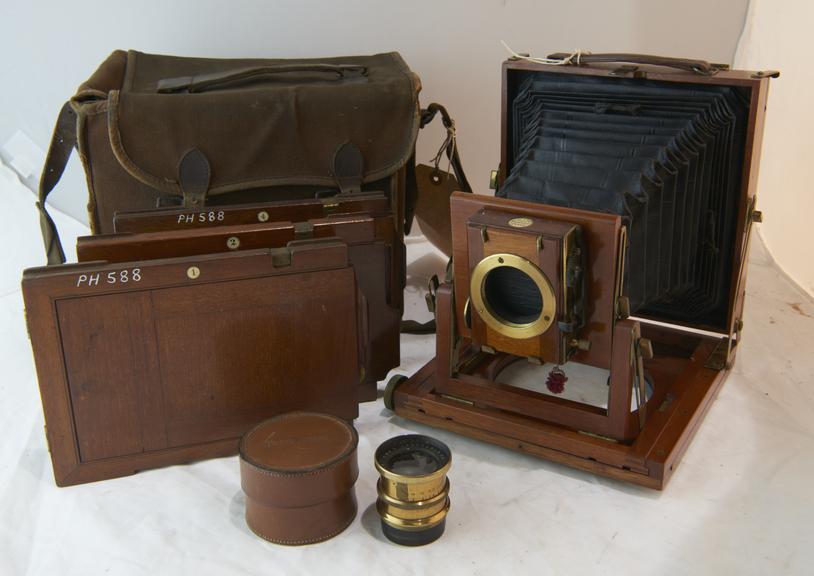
x: 412, y: 455
x: 414, y: 463
x: 512, y: 295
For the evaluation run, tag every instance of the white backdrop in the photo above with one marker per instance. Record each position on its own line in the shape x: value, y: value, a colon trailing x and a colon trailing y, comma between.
x: 776, y: 37
x: 48, y: 47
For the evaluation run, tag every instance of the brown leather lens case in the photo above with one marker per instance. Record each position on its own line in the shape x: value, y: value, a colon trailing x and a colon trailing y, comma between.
x: 297, y: 471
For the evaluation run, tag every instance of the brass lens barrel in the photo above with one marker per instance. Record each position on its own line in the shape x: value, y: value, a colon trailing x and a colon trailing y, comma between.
x: 413, y: 488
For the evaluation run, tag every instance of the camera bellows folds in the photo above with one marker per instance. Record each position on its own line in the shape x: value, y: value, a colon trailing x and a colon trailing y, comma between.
x: 667, y: 157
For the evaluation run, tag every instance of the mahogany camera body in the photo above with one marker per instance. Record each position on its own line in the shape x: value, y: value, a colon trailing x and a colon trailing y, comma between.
x: 601, y: 252
x: 549, y: 254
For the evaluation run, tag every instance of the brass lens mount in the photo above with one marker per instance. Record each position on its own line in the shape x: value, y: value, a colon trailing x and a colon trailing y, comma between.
x: 413, y: 489
x: 486, y: 309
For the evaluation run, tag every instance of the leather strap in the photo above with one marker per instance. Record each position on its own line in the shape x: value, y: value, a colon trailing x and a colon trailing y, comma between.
x: 193, y: 176
x: 701, y: 67
x: 348, y: 168
x: 428, y: 327
x: 454, y: 158
x: 451, y: 151
x: 411, y: 194
x: 63, y: 142
x: 416, y: 327
x: 194, y: 172
x: 203, y: 82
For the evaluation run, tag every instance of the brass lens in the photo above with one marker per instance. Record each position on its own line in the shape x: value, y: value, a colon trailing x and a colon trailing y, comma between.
x: 413, y: 488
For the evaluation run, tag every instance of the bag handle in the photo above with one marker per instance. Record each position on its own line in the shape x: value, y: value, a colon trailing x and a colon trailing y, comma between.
x: 701, y: 67
x: 204, y: 82
x: 62, y: 144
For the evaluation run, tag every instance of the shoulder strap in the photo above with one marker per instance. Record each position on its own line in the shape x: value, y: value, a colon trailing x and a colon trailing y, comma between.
x: 63, y: 142
x: 449, y: 147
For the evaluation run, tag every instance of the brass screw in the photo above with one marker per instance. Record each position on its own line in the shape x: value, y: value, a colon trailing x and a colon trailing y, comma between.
x: 233, y: 243
x: 493, y: 180
x: 646, y: 346
x: 263, y: 216
x: 193, y: 272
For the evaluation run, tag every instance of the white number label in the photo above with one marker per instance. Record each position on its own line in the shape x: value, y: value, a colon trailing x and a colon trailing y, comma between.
x: 116, y: 277
x: 202, y: 217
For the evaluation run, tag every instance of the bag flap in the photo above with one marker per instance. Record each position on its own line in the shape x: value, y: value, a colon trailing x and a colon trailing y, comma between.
x: 262, y: 122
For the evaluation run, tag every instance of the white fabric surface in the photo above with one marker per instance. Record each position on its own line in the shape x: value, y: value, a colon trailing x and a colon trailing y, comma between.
x: 739, y: 503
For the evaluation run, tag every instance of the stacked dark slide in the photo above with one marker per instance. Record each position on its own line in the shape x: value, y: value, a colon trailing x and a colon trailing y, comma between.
x: 667, y: 157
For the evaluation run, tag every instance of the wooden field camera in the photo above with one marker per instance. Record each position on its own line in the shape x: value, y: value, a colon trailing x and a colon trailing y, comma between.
x: 528, y: 299
x: 523, y: 289
x: 552, y: 277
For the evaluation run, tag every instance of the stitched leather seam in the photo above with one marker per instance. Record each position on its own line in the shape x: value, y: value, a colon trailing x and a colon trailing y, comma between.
x: 316, y: 472
x: 309, y: 541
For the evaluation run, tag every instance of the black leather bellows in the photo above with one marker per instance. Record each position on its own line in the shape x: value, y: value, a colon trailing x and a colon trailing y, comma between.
x: 666, y: 157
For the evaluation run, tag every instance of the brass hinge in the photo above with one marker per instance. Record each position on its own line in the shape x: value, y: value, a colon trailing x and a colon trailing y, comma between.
x: 622, y: 308
x: 329, y: 205
x: 280, y: 257
x: 303, y: 230
x: 718, y: 359
x: 47, y: 440
x: 493, y: 180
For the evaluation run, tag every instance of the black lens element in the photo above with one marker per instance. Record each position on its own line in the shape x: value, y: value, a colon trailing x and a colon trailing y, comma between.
x: 412, y: 537
x: 512, y: 295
